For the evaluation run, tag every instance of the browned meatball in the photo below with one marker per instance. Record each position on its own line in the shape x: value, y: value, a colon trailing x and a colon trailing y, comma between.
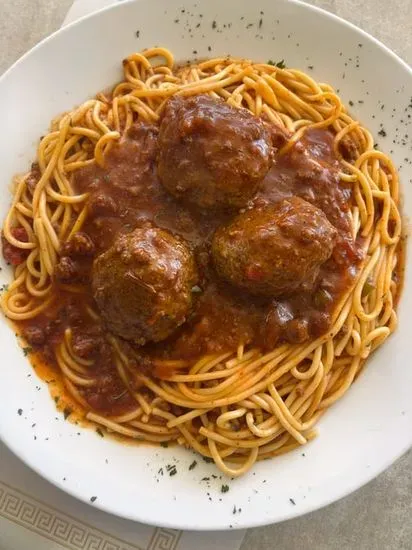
x: 274, y: 250
x: 143, y: 284
x: 212, y: 154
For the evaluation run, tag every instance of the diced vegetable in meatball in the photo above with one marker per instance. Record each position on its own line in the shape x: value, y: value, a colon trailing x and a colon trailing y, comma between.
x: 212, y: 154
x: 143, y: 284
x: 274, y: 250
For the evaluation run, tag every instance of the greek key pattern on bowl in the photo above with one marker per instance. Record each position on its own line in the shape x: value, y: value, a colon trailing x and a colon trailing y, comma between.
x: 69, y: 532
x: 164, y: 539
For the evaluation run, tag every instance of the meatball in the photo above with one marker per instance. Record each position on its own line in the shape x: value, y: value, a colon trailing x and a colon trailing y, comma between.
x: 212, y: 154
x: 143, y: 284
x: 274, y: 250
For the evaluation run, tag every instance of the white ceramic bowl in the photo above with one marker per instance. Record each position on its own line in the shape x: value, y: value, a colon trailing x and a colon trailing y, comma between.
x: 365, y: 431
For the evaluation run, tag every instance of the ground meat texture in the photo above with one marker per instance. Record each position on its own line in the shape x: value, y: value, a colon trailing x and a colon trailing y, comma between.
x: 101, y: 205
x: 319, y: 322
x: 13, y: 254
x: 87, y: 345
x: 33, y: 177
x: 127, y: 167
x: 212, y: 154
x: 348, y: 149
x: 297, y: 331
x: 67, y: 270
x: 143, y: 284
x: 73, y: 313
x: 274, y: 250
x: 35, y: 336
x: 80, y: 244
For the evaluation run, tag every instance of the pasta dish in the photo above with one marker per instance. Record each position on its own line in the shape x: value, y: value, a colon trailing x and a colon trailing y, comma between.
x: 205, y: 255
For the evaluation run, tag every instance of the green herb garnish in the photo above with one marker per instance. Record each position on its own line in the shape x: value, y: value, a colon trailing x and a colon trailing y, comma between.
x: 279, y: 64
x: 193, y: 465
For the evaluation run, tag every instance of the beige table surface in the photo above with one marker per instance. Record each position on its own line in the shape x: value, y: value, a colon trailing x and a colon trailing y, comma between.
x: 378, y: 516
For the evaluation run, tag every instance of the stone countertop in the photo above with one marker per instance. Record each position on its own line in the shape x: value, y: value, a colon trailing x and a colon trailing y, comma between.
x: 378, y: 516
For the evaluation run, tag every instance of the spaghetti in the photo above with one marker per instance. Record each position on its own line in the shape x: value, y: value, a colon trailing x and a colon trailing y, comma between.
x: 236, y: 406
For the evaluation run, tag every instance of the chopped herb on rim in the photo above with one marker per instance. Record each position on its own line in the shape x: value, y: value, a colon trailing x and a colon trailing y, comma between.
x: 224, y: 488
x: 279, y: 64
x: 171, y: 469
x: 193, y: 465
